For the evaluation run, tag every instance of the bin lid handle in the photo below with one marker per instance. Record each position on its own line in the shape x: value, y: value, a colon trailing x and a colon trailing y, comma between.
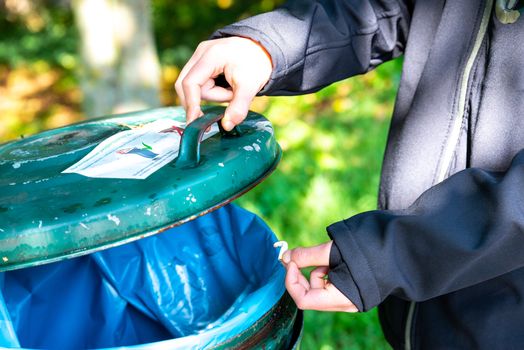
x: 189, y: 150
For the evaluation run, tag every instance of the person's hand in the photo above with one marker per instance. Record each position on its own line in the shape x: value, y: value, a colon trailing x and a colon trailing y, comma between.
x: 317, y: 293
x: 246, y: 67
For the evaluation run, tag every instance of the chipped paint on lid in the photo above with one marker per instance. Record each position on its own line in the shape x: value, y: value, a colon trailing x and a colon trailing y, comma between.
x: 46, y: 215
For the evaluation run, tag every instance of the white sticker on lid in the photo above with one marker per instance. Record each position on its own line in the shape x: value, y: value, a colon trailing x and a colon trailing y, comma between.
x: 135, y: 153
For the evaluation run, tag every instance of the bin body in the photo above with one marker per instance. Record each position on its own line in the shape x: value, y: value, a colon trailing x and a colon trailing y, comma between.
x: 214, y: 282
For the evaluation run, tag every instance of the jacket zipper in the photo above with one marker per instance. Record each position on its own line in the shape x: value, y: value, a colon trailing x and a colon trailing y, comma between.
x: 447, y: 155
x: 449, y: 149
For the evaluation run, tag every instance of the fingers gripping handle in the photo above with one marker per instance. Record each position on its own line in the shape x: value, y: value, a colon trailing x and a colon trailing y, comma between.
x: 189, y: 150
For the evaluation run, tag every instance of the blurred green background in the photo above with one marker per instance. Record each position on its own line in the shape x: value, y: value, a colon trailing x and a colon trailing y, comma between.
x: 333, y: 141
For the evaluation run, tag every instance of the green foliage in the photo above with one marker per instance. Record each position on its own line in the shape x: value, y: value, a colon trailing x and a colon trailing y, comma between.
x: 334, y: 331
x: 178, y: 29
x: 333, y: 140
x: 333, y: 145
x: 48, y: 32
x: 46, y: 35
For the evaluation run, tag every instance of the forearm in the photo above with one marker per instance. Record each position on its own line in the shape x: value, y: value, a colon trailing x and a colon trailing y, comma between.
x: 314, y: 43
x: 464, y: 231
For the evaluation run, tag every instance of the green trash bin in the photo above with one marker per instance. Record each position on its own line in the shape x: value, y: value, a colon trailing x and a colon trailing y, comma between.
x: 183, y: 280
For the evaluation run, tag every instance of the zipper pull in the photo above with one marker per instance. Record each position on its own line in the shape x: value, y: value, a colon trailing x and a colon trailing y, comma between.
x: 504, y: 10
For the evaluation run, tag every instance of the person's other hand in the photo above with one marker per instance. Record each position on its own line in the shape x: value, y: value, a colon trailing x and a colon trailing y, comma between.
x: 246, y: 67
x: 317, y: 293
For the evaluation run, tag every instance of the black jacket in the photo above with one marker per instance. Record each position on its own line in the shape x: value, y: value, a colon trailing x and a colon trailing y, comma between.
x: 443, y: 258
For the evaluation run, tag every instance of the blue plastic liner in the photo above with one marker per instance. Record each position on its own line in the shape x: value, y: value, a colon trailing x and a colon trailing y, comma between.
x: 191, y: 287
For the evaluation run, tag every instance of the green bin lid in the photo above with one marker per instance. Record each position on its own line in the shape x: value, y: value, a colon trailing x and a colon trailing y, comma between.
x: 47, y: 215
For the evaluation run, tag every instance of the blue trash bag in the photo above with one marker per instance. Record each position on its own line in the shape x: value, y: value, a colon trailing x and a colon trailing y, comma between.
x: 190, y: 287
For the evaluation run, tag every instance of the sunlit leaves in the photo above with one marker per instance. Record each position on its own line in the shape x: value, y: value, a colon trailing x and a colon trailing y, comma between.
x: 224, y: 4
x: 333, y: 143
x: 36, y: 97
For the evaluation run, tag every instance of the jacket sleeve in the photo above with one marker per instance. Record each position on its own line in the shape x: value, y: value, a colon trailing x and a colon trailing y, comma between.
x: 314, y: 43
x: 463, y: 231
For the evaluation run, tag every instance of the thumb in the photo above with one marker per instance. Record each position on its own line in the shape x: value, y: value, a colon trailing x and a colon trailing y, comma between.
x: 309, y: 256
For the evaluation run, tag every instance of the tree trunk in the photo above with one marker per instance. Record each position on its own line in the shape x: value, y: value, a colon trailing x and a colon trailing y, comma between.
x: 120, y: 69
